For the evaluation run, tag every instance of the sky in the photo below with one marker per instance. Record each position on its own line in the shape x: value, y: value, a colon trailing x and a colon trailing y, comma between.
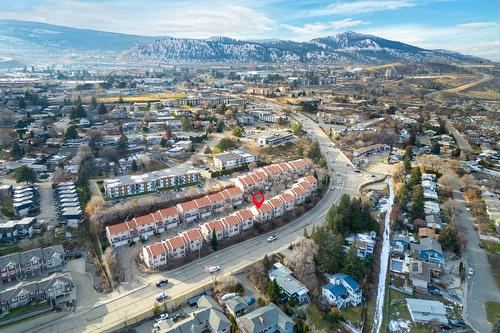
x: 466, y: 26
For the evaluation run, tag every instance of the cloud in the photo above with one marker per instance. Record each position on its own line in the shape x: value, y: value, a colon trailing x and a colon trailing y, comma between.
x: 194, y: 19
x: 359, y: 7
x: 457, y: 38
x: 311, y: 30
x: 478, y: 25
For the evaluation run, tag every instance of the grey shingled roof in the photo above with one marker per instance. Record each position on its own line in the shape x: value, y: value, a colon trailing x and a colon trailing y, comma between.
x: 265, y: 317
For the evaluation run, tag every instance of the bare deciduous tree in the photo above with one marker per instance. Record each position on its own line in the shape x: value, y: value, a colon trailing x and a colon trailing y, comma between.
x: 302, y: 263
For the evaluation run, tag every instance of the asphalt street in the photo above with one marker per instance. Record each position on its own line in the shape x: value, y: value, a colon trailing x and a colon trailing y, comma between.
x: 481, y: 286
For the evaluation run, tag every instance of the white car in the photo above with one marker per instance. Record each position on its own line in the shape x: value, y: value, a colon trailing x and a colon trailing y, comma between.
x: 338, y: 181
x: 213, y: 269
x: 161, y: 317
x: 471, y: 271
x: 272, y: 238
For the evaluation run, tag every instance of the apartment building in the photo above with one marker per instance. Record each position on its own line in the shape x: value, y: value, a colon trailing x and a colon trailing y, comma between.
x: 233, y: 159
x: 56, y: 287
x: 150, y: 182
x: 31, y: 263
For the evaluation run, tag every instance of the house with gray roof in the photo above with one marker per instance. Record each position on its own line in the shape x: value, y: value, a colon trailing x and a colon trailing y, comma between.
x: 236, y: 306
x: 268, y: 318
x: 56, y: 287
x: 288, y: 284
x: 424, y: 311
x: 33, y: 262
x: 208, y: 317
x: 429, y: 250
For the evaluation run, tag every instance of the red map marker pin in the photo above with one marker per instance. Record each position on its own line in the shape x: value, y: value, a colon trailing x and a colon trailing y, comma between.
x: 258, y: 199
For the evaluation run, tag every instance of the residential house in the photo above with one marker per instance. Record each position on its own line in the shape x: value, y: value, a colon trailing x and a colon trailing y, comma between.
x: 33, y: 262
x: 288, y: 284
x: 246, y: 218
x: 424, y: 311
x: 342, y: 291
x: 208, y: 317
x: 17, y: 229
x: 215, y: 226
x: 193, y: 239
x: 57, y: 287
x: 429, y: 250
x: 236, y: 306
x: 266, y: 319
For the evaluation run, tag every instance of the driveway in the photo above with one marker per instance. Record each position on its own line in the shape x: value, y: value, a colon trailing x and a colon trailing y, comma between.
x: 481, y: 286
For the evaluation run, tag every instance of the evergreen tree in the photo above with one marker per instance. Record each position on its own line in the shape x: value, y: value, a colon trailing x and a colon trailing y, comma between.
x: 102, y: 109
x: 406, y: 163
x: 134, y: 166
x: 78, y: 112
x: 449, y: 239
x: 417, y: 206
x: 17, y: 151
x: 416, y: 177
x: 214, y: 243
x: 93, y: 101
x: 122, y: 144
x: 330, y: 251
x: 314, y: 152
x: 220, y: 126
x: 25, y: 174
x: 306, y: 235
x: 71, y: 133
x: 353, y: 264
x: 267, y: 263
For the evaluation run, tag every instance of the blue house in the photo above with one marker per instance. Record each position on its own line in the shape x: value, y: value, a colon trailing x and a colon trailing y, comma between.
x: 342, y: 291
x: 429, y: 250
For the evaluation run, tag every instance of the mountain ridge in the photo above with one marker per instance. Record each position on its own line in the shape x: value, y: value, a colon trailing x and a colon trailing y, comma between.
x: 18, y: 39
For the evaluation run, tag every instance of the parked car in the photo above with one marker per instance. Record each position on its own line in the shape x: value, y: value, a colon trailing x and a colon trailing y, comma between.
x: 471, y: 271
x: 272, y: 238
x: 213, y: 269
x: 162, y: 283
x: 457, y: 323
x: 161, y: 297
x: 161, y: 317
x: 481, y: 245
x: 434, y: 291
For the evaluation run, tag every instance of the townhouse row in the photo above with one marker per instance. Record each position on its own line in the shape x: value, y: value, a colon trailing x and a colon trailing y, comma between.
x: 158, y: 254
x: 263, y: 178
x: 204, y: 207
x: 189, y: 211
x: 33, y: 262
x: 53, y: 287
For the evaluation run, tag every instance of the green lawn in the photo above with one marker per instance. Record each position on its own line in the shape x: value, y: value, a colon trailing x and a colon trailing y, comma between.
x: 352, y: 314
x: 26, y: 309
x: 491, y: 247
x: 493, y: 311
x: 8, y: 249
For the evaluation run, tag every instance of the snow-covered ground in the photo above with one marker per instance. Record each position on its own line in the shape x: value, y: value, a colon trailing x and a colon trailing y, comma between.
x: 384, y: 262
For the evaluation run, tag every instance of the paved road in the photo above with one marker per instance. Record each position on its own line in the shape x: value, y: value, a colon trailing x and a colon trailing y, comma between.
x: 463, y: 144
x: 481, y: 286
x: 111, y: 312
x: 484, y: 78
